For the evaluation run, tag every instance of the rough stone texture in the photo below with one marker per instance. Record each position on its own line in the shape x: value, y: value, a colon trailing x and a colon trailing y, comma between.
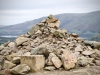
x: 12, y: 45
x: 97, y: 62
x: 78, y: 49
x: 21, y: 40
x: 16, y: 60
x: 8, y: 65
x: 74, y: 35
x: 87, y: 52
x: 1, y: 47
x: 56, y: 24
x: 20, y: 69
x: 5, y: 72
x: 57, y: 62
x: 68, y: 59
x: 36, y: 62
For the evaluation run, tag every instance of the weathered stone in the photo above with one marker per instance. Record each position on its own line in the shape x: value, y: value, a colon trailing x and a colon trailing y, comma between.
x: 21, y: 40
x: 74, y: 35
x: 49, y: 60
x: 97, y: 53
x: 93, y: 44
x: 8, y: 65
x: 50, y: 16
x: 83, y: 61
x: 87, y: 52
x: 16, y: 60
x: 36, y: 62
x: 10, y: 57
x: 38, y: 32
x: 57, y: 62
x: 68, y: 59
x: 35, y: 51
x: 27, y: 54
x: 56, y: 24
x: 53, y: 20
x: 2, y: 60
x: 50, y: 68
x: 5, y: 72
x: 33, y: 30
x: 78, y: 49
x: 12, y: 45
x: 97, y: 62
x: 0, y: 67
x: 1, y: 47
x: 20, y: 69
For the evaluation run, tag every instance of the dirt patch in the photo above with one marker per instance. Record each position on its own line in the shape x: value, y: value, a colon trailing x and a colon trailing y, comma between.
x: 93, y: 70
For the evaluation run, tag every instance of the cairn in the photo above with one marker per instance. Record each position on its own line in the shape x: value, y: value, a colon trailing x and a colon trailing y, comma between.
x: 47, y: 47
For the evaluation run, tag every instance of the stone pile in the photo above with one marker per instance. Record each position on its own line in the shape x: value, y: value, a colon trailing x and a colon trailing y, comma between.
x: 47, y: 47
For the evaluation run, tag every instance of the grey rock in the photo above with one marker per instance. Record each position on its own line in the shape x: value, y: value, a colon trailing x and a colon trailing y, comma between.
x: 97, y: 62
x: 20, y: 69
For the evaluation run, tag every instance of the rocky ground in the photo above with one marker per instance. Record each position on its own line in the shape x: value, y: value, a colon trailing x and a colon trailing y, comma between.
x: 93, y: 70
x: 46, y: 48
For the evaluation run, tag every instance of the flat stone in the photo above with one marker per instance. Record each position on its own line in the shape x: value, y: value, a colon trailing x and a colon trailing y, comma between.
x: 74, y: 35
x: 50, y: 68
x: 56, y: 24
x: 21, y: 40
x: 87, y: 52
x: 78, y: 49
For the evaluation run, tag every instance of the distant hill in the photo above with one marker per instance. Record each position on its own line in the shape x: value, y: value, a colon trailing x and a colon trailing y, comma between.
x: 84, y: 24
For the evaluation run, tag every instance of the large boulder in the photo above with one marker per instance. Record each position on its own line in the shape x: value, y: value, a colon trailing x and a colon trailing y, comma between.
x: 68, y: 59
x: 20, y: 69
x: 36, y: 62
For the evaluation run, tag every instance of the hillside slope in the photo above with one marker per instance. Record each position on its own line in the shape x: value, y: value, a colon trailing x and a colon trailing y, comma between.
x: 84, y: 24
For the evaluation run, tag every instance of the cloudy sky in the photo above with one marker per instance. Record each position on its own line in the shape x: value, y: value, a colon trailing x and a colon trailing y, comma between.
x: 18, y: 11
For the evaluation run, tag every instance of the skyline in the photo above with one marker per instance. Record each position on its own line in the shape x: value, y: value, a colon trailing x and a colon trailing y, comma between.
x: 14, y: 12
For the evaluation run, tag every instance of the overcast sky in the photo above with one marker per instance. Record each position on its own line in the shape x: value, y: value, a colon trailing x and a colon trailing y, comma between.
x: 18, y: 11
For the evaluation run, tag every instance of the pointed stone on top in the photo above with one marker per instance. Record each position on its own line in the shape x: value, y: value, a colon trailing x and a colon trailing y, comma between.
x: 50, y: 16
